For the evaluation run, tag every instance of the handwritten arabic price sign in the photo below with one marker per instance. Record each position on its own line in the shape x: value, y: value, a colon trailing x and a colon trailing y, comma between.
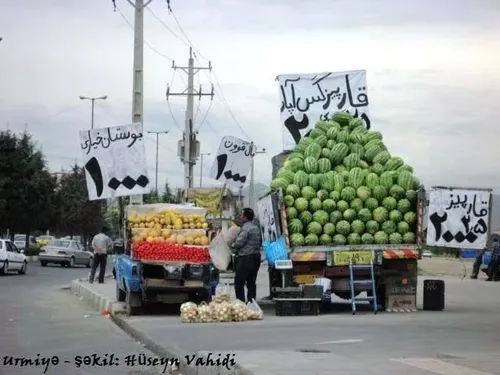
x: 458, y: 218
x: 115, y: 161
x: 233, y: 162
x: 308, y: 98
x: 267, y: 219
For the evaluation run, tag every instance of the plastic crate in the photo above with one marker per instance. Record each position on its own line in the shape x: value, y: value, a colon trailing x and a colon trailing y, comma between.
x: 287, y: 293
x: 296, y: 308
x: 313, y: 291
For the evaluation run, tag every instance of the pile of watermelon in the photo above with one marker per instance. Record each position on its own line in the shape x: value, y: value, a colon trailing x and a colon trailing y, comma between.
x: 342, y: 186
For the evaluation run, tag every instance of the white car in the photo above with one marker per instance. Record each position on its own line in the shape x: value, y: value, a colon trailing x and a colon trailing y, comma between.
x: 426, y: 254
x: 11, y: 259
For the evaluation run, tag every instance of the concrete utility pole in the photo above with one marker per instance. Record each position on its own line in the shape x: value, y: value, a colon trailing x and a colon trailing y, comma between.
x: 189, y: 147
x: 157, y: 142
x: 201, y: 166
x: 93, y: 99
x: 251, y: 200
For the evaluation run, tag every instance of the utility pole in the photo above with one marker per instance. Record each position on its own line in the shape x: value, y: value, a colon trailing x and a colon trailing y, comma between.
x: 157, y: 142
x: 201, y: 165
x: 189, y: 146
x: 93, y: 99
x: 138, y: 76
x: 251, y: 200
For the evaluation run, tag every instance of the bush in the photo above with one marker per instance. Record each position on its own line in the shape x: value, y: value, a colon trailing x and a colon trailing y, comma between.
x: 32, y: 251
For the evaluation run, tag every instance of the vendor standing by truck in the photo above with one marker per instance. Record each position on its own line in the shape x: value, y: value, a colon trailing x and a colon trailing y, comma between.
x: 247, y: 257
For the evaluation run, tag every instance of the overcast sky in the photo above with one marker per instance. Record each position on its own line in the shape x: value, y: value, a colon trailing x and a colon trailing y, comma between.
x: 433, y: 75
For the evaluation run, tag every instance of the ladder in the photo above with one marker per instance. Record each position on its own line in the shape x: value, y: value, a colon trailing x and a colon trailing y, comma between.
x: 370, y: 283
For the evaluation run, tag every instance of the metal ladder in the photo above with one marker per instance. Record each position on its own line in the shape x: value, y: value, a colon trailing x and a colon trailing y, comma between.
x: 364, y: 282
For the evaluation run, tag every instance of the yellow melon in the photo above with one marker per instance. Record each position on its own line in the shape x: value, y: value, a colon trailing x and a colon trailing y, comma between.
x: 204, y: 240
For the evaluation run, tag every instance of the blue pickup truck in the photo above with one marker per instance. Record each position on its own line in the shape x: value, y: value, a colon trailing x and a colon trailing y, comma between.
x: 139, y: 283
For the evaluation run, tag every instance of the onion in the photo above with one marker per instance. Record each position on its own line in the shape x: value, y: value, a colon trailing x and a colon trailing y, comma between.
x: 205, y: 313
x: 239, y: 311
x: 189, y: 312
x: 221, y: 311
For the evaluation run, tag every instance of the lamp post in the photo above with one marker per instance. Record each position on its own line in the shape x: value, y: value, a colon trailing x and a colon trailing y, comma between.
x: 93, y: 99
x: 157, y: 142
x: 251, y: 200
x: 201, y: 165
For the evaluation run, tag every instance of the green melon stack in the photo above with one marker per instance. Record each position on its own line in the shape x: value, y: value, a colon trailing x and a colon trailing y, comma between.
x: 342, y: 186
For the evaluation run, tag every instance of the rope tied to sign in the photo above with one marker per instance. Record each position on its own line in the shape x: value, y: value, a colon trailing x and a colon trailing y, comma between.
x: 114, y: 5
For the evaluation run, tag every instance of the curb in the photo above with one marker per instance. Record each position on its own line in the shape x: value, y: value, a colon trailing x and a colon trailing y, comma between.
x: 94, y: 299
x: 165, y: 351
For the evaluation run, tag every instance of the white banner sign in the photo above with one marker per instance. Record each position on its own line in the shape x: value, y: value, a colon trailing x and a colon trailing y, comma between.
x: 308, y: 98
x: 233, y: 162
x: 115, y: 161
x: 267, y: 220
x: 458, y: 218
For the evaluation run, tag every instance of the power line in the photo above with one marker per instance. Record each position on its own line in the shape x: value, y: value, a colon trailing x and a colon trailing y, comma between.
x: 168, y: 28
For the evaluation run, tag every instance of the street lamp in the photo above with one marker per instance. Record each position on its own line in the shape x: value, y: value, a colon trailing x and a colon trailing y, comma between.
x: 157, y: 141
x: 251, y: 200
x: 93, y: 99
x: 201, y: 165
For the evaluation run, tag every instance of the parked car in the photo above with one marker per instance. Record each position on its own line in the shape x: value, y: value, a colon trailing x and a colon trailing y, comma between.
x: 426, y: 254
x: 65, y: 253
x: 20, y: 241
x: 11, y: 258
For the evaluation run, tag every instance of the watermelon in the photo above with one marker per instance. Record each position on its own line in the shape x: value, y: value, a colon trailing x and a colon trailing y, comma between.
x: 358, y: 138
x: 339, y: 239
x: 310, y: 164
x: 395, y: 238
x: 404, y: 205
x: 363, y: 193
x: 295, y: 226
x: 315, y: 181
x: 394, y: 163
x: 279, y: 183
x: 325, y: 153
x: 306, y: 217
x: 311, y: 240
x: 315, y: 204
x: 324, y: 165
x: 293, y: 190
x: 301, y: 179
x: 338, y: 183
x: 335, y: 195
x: 329, y: 228
x: 339, y: 152
x: 382, y: 157
x: 343, y: 136
x: 335, y: 217
x: 372, y: 180
x: 388, y: 227
x: 349, y: 215
x: 381, y: 237
x: 343, y: 227
x: 297, y: 239
x: 288, y: 200
x: 295, y: 155
x: 348, y: 194
x: 395, y: 216
x: 386, y: 180
x: 322, y: 140
x: 411, y: 195
x: 314, y: 228
x: 291, y: 213
x: 313, y: 150
x: 380, y: 215
x: 351, y: 161
x: 330, y: 145
x: 397, y: 192
x: 403, y: 227
x: 294, y: 165
x: 371, y: 152
x: 321, y: 217
x: 308, y: 193
x: 364, y: 215
x: 329, y: 205
x: 356, y: 177
x: 342, y: 117
x: 357, y: 226
x: 301, y: 204
x: 332, y: 132
x: 371, y: 204
x: 367, y: 239
x: 286, y: 174
x: 324, y: 125
x: 355, y: 123
x: 389, y: 203
x: 322, y: 195
x: 372, y: 227
x: 409, y: 238
x: 353, y: 239
x: 325, y: 239
x: 356, y: 148
x: 379, y: 192
x: 316, y: 132
x: 356, y: 204
x: 410, y: 218
x: 378, y: 169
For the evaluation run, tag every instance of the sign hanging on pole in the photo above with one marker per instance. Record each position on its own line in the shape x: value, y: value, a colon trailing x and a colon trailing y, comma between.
x: 267, y: 218
x: 115, y: 161
x: 458, y: 218
x: 308, y: 98
x: 233, y: 162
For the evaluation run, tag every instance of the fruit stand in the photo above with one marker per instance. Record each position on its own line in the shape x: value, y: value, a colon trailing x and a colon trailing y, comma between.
x: 169, y: 261
x: 345, y: 199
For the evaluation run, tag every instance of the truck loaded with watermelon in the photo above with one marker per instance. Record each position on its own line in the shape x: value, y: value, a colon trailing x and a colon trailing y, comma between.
x: 342, y: 190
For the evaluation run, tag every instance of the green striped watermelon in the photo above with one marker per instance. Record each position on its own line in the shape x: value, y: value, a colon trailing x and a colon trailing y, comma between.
x: 371, y: 152
x: 394, y: 163
x: 386, y: 180
x: 315, y: 133
x: 313, y: 150
x: 356, y: 177
x: 372, y: 180
x: 332, y: 132
x: 338, y: 183
x: 379, y: 192
x: 301, y: 179
x: 310, y: 164
x: 324, y: 165
x: 342, y: 117
x: 321, y: 140
x: 355, y: 123
x: 323, y: 126
x: 315, y: 181
x: 351, y: 161
x: 339, y: 152
x: 303, y: 144
x: 381, y: 157
x: 356, y: 148
x: 343, y: 136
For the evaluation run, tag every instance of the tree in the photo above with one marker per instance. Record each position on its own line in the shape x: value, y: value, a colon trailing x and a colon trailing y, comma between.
x: 26, y: 185
x: 76, y: 214
x: 168, y: 196
x: 152, y: 197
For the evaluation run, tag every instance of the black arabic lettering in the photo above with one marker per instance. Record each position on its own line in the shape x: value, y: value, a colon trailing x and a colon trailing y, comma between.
x: 362, y: 98
x: 458, y: 202
x: 367, y: 121
x: 466, y: 221
x: 87, y: 144
x: 481, y: 227
x: 285, y: 104
x: 228, y: 144
x: 436, y: 221
x: 135, y: 138
x: 483, y: 212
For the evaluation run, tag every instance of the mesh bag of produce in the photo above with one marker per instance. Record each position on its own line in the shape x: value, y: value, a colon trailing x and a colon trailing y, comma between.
x: 341, y: 186
x: 239, y: 311
x: 221, y: 311
x: 189, y: 312
x: 223, y: 294
x: 254, y: 311
x: 205, y: 313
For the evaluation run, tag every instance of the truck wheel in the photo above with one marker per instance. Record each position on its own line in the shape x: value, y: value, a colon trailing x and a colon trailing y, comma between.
x: 121, y: 296
x: 132, y: 310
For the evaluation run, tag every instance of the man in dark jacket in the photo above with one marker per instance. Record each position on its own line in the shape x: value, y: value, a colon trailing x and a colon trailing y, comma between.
x: 494, y: 265
x: 247, y: 250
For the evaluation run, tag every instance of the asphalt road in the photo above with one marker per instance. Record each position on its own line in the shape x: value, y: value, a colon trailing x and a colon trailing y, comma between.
x: 460, y: 340
x: 38, y: 319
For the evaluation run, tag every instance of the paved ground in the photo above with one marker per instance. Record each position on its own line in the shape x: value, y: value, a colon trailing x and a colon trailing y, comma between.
x: 462, y: 340
x: 446, y: 266
x: 37, y: 318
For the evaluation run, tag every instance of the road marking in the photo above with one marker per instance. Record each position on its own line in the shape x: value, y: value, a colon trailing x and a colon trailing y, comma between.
x: 347, y: 341
x: 438, y: 367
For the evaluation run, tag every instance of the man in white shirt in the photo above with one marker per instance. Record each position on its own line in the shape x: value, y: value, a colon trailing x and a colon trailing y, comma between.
x: 101, y: 243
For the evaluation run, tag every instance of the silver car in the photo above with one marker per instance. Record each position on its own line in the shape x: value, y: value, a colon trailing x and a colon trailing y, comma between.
x: 66, y: 253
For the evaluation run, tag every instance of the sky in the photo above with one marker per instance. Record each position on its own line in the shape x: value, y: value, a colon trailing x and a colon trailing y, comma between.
x: 432, y: 75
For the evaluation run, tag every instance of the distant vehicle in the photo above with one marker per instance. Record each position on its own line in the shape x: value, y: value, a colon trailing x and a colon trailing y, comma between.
x: 11, y: 258
x: 426, y: 254
x: 65, y: 253
x: 20, y: 241
x: 44, y: 240
x: 118, y: 245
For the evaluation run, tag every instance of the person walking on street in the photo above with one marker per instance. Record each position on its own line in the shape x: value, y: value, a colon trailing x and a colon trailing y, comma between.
x: 477, y: 264
x: 494, y: 266
x: 101, y: 243
x: 247, y: 257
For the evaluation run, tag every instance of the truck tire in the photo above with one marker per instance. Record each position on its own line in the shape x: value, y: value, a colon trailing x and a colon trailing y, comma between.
x: 121, y: 296
x: 132, y: 310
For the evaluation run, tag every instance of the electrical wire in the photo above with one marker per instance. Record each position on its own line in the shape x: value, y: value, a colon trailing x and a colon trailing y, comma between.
x: 167, y: 27
x: 205, y: 116
x: 145, y: 42
x: 170, y: 107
